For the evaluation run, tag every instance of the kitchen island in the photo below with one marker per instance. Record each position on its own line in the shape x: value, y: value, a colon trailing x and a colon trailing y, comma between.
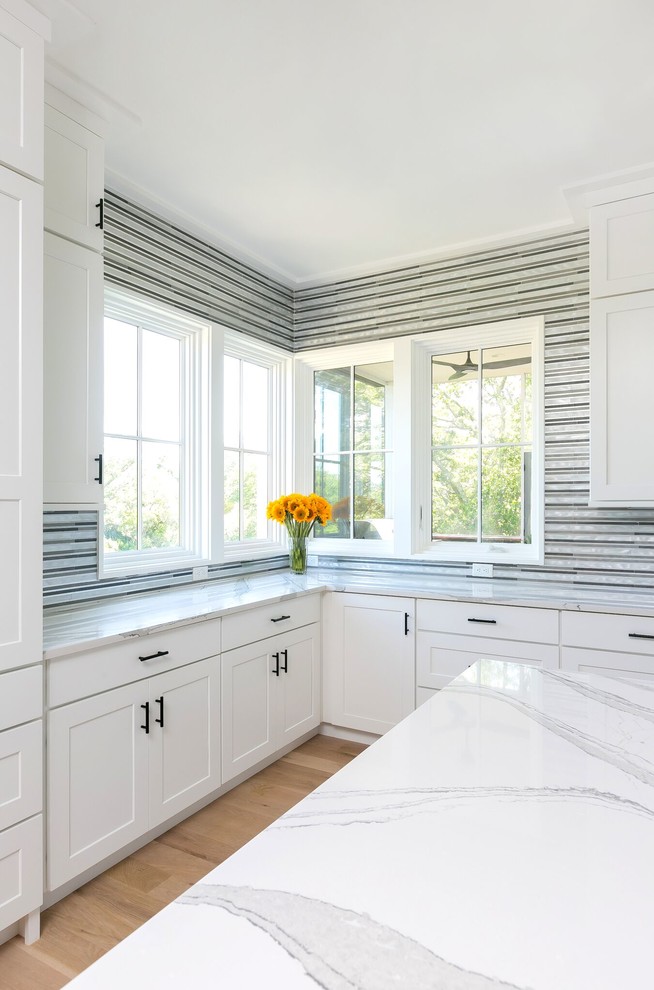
x: 500, y: 836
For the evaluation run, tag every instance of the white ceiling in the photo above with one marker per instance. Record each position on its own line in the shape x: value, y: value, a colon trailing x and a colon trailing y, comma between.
x: 326, y: 139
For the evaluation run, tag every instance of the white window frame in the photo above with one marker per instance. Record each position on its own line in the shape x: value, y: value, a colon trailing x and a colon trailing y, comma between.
x: 413, y: 357
x: 202, y: 424
x: 280, y: 420
x: 305, y: 364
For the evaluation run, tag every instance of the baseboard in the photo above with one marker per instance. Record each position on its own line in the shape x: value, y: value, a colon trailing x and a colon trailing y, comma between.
x: 350, y: 735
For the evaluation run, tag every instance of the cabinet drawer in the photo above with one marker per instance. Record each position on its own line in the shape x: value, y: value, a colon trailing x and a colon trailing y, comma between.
x: 21, y: 696
x: 21, y: 773
x: 442, y: 657
x: 84, y: 674
x: 242, y: 628
x: 21, y: 870
x: 533, y: 625
x: 596, y: 631
x: 627, y: 665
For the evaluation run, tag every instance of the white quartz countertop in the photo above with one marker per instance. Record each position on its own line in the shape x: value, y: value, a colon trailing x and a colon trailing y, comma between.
x: 501, y: 836
x: 70, y: 629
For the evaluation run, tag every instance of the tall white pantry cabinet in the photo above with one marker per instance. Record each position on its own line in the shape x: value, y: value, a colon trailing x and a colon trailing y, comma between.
x: 23, y: 31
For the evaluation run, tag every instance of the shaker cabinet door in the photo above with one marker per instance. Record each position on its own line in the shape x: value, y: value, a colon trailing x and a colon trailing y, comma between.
x: 184, y: 739
x: 72, y: 373
x: 97, y: 779
x: 74, y: 180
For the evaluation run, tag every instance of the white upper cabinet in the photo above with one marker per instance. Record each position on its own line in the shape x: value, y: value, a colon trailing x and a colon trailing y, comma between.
x: 622, y: 399
x: 622, y: 246
x: 72, y: 380
x: 74, y: 172
x: 21, y: 87
x: 21, y: 305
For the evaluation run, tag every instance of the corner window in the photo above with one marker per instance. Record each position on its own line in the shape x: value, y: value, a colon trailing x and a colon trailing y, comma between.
x: 482, y: 443
x: 344, y: 444
x: 480, y: 477
x: 155, y: 436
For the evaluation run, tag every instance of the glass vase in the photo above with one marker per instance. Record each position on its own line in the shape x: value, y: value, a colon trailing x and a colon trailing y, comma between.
x: 297, y: 554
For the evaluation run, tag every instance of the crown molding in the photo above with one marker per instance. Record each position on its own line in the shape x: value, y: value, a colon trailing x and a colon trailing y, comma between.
x: 119, y: 184
x: 608, y: 188
x: 382, y: 265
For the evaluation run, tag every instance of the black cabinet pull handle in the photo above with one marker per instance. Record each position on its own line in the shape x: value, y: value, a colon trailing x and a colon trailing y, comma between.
x: 100, y: 206
x: 640, y: 636
x: 98, y: 460
x: 160, y: 720
x: 488, y: 622
x: 280, y: 618
x: 406, y: 623
x: 146, y: 707
x: 284, y: 653
x: 153, y: 656
x: 275, y: 670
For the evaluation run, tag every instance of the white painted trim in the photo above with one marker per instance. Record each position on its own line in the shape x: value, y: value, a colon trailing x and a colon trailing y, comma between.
x: 119, y: 117
x: 71, y: 108
x: 29, y: 16
x: 608, y: 188
x: 350, y: 735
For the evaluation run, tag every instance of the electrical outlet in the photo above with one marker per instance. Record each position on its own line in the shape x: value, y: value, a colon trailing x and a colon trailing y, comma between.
x: 482, y: 570
x: 200, y: 573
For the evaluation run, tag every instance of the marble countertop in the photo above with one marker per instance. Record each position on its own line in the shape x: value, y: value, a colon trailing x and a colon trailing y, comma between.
x: 70, y: 629
x: 501, y: 836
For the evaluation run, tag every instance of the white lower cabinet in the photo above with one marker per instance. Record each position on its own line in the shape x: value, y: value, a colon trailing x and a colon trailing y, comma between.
x: 126, y: 760
x: 369, y: 662
x: 21, y: 872
x: 270, y: 696
x: 453, y: 635
x: 611, y: 645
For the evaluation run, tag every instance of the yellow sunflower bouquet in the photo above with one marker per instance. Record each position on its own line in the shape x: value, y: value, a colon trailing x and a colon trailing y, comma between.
x: 299, y: 513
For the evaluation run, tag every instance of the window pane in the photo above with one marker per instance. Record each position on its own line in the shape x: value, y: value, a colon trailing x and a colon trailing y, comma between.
x: 333, y: 402
x: 454, y: 499
x: 160, y: 386
x: 370, y: 517
x: 255, y: 407
x: 502, y: 473
x: 455, y: 398
x: 370, y: 382
x: 120, y: 377
x: 232, y: 499
x: 231, y: 401
x: 255, y: 496
x: 506, y: 393
x: 120, y: 495
x: 331, y: 479
x: 160, y: 495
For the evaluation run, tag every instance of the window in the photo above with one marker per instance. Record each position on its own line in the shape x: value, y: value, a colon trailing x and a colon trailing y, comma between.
x: 253, y: 426
x: 156, y: 430
x: 479, y: 475
x: 345, y: 398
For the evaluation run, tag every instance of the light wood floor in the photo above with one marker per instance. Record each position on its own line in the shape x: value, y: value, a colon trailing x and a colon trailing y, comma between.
x: 82, y: 927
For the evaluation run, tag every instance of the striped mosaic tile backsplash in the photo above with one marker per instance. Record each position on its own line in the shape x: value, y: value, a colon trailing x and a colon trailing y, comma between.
x: 548, y: 276
x: 144, y: 253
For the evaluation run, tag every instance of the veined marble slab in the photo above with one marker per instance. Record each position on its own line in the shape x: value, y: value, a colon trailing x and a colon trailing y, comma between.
x: 70, y: 629
x: 501, y: 836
